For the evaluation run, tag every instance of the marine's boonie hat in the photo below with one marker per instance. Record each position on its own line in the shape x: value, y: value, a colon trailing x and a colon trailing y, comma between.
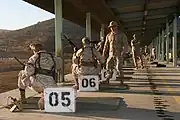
x: 112, y: 24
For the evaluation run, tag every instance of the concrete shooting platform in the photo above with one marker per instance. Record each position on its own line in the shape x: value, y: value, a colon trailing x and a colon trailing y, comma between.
x: 140, y: 101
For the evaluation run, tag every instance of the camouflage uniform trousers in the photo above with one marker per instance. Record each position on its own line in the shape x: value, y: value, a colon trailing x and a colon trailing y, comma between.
x: 135, y: 55
x: 114, y: 62
x: 35, y: 82
x: 85, y: 70
x: 148, y: 57
x: 74, y: 71
x: 89, y: 70
x: 153, y: 57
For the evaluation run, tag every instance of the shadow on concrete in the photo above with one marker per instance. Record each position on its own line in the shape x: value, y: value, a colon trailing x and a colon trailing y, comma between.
x: 145, y: 92
x: 84, y: 103
x: 154, y: 80
x: 178, y: 75
x: 159, y: 85
x: 100, y: 110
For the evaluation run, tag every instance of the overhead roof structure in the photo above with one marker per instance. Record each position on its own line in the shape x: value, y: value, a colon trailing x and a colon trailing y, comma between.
x: 142, y: 17
x: 75, y: 10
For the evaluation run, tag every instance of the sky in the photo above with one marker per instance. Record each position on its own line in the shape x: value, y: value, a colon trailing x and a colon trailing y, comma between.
x: 17, y: 14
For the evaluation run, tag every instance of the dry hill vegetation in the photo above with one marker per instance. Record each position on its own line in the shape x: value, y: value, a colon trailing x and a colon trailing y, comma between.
x: 18, y: 40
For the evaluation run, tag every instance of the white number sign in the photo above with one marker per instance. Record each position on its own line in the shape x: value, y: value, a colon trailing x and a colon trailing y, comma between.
x: 89, y: 83
x: 59, y: 100
x: 103, y: 74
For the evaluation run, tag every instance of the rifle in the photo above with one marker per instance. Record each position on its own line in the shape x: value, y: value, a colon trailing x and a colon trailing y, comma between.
x: 73, y: 45
x: 70, y: 42
x: 20, y: 62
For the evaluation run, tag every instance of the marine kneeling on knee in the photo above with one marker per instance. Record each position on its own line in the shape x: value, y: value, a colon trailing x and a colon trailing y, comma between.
x: 88, y: 61
x: 38, y: 73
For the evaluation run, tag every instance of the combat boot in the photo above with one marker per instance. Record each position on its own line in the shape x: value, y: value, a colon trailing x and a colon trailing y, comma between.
x: 104, y: 82
x: 76, y: 86
x: 142, y: 67
x: 22, y: 96
x: 41, y: 103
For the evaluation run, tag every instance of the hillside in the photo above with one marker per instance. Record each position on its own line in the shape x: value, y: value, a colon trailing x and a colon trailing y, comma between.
x: 18, y: 40
x: 15, y: 43
x: 4, y: 31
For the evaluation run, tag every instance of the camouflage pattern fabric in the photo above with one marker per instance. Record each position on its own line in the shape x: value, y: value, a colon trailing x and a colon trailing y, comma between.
x: 74, y: 66
x: 136, y: 52
x: 114, y: 47
x: 37, y: 82
x: 88, y: 58
x: 153, y: 53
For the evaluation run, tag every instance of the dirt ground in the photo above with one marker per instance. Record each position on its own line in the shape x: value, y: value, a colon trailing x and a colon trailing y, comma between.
x: 8, y: 81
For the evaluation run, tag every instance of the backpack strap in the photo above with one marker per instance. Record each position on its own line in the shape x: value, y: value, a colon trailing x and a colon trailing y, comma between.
x: 39, y: 70
x: 53, y: 67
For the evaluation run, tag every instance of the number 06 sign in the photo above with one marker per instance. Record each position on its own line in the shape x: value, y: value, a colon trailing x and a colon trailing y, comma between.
x: 59, y: 99
x: 89, y: 83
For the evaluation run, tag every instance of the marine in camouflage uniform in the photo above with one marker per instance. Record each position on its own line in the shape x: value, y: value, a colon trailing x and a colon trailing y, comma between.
x: 115, y: 46
x: 74, y: 68
x: 135, y: 44
x: 87, y: 59
x: 147, y: 52
x: 36, y: 80
x: 100, y: 45
x: 153, y: 54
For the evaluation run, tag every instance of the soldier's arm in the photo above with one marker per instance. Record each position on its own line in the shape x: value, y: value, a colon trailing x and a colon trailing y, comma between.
x: 106, y: 45
x: 29, y: 69
x: 132, y: 43
x: 75, y: 58
x: 125, y: 43
x: 99, y: 45
x: 32, y: 59
x: 98, y: 56
x: 78, y: 53
x: 30, y: 65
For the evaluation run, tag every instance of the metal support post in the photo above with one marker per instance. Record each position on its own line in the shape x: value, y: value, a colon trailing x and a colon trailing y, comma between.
x: 58, y: 41
x: 162, y: 45
x: 88, y: 25
x: 175, y: 41
x: 167, y: 41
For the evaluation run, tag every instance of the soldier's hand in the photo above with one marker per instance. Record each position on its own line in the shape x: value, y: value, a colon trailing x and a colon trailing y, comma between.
x: 75, y: 49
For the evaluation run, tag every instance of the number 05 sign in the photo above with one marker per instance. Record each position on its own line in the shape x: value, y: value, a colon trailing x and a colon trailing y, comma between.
x: 89, y: 83
x: 59, y: 99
